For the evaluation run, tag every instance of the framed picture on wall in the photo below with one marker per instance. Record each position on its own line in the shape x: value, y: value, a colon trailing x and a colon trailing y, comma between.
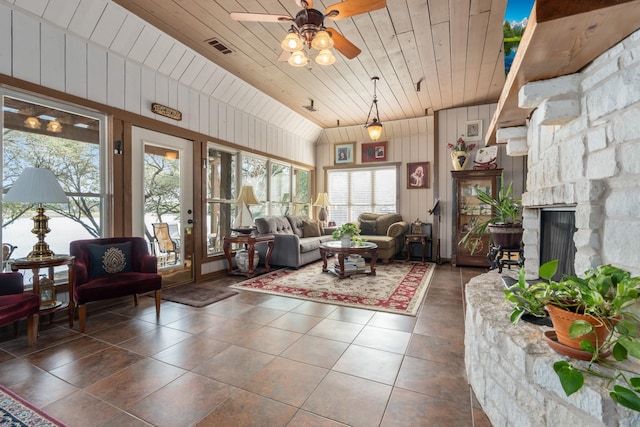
x: 343, y: 153
x: 473, y: 130
x: 418, y: 175
x: 374, y: 152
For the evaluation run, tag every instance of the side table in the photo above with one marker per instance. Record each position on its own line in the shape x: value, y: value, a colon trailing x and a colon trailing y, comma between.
x: 35, y: 265
x: 416, y: 238
x: 249, y: 242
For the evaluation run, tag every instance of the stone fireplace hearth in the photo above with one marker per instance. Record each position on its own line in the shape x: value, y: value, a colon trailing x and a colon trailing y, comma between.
x: 582, y: 144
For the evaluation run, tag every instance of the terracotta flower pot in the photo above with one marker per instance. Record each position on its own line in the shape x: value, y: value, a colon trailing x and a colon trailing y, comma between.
x: 562, y: 320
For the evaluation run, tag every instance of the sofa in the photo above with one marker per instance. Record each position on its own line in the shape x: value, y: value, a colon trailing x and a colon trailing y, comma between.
x: 297, y: 239
x: 385, y: 230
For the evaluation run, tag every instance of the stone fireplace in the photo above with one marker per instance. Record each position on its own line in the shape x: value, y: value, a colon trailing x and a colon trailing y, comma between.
x: 582, y: 143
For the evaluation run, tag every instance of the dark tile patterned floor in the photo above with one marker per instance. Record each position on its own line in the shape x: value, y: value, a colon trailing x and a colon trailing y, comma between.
x: 252, y: 360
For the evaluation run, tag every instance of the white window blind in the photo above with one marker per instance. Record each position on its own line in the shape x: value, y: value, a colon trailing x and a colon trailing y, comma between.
x: 354, y: 191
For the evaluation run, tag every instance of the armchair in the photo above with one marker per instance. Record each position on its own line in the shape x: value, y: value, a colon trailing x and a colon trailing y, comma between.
x: 15, y: 304
x: 111, y: 268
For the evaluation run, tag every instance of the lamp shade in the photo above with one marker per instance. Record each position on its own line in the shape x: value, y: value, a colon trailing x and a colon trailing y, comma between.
x: 36, y: 185
x: 247, y: 196
x: 374, y: 129
x: 322, y: 200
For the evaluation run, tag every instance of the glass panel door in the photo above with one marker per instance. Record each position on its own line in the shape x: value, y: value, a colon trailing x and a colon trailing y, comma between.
x: 164, y: 201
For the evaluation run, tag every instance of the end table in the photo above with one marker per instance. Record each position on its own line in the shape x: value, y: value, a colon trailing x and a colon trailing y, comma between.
x: 416, y: 238
x: 55, y: 261
x: 249, y: 242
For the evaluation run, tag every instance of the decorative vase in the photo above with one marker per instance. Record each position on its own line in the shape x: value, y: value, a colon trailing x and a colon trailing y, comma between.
x: 562, y: 320
x: 345, y: 240
x: 460, y: 159
x: 242, y: 260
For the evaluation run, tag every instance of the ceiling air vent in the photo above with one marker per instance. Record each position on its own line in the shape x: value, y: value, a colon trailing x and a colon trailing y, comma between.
x: 218, y: 45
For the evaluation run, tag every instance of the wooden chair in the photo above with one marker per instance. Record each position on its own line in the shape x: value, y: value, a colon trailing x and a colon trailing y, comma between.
x: 111, y: 268
x: 166, y: 245
x: 15, y: 304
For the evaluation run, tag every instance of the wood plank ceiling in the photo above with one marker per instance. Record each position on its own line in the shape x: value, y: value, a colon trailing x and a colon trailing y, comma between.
x: 452, y: 49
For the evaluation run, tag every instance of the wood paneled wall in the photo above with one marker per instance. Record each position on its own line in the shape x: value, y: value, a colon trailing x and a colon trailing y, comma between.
x: 40, y: 52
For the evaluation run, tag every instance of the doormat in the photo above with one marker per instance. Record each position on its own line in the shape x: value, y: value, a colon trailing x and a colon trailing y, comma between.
x: 196, y: 294
x: 17, y: 412
x: 398, y: 287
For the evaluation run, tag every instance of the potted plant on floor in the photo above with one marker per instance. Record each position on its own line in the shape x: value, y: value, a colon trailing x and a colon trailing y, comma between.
x: 345, y: 233
x: 505, y: 222
x: 601, y: 324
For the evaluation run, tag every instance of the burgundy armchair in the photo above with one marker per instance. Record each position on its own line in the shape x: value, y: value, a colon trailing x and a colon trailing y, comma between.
x: 111, y: 268
x: 15, y: 304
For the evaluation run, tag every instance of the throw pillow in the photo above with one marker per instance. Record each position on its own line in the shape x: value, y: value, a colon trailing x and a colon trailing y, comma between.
x: 109, y: 259
x: 311, y: 229
x: 368, y: 227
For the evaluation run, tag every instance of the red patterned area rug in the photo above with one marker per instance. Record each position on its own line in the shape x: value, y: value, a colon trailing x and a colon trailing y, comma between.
x: 17, y: 412
x: 398, y: 287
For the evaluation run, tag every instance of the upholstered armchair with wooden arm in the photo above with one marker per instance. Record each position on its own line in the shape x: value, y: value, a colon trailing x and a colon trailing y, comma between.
x: 15, y: 304
x: 111, y: 268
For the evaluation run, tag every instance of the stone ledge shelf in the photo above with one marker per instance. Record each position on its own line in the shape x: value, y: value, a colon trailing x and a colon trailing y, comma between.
x: 510, y: 369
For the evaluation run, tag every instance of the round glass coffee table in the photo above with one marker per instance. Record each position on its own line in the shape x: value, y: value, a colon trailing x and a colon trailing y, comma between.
x: 335, y: 247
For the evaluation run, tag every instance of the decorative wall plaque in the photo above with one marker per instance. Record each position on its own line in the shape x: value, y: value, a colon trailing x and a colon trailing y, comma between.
x: 163, y: 110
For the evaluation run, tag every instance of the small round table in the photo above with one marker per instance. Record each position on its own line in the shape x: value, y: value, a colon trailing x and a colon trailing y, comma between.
x: 335, y: 247
x: 55, y: 261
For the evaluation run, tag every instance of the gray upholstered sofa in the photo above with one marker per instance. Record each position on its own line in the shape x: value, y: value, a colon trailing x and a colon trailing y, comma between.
x: 297, y: 240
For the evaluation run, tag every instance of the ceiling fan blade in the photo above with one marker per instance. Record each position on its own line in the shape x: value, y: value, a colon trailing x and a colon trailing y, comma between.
x: 305, y: 4
x: 259, y: 17
x: 343, y: 45
x: 349, y: 8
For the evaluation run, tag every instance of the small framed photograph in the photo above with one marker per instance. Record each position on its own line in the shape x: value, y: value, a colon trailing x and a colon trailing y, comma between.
x: 343, y: 153
x: 473, y: 130
x: 374, y: 152
x: 418, y: 175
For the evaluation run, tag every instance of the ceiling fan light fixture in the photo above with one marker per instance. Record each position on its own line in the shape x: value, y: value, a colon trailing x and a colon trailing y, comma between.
x: 291, y: 42
x: 325, y: 57
x: 322, y: 41
x: 298, y: 59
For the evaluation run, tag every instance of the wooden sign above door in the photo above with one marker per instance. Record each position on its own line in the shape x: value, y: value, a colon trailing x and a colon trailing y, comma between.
x: 165, y: 111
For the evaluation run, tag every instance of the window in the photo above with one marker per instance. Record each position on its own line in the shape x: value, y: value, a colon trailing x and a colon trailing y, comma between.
x: 357, y: 190
x: 67, y: 140
x: 278, y: 186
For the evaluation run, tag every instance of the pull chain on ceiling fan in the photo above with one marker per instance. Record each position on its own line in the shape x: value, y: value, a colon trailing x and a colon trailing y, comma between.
x: 309, y: 29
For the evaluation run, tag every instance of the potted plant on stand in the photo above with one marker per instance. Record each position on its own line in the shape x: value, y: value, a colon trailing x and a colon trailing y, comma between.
x: 345, y: 233
x: 505, y: 222
x: 600, y: 324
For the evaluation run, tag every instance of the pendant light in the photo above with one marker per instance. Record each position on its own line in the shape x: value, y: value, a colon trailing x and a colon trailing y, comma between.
x: 375, y: 127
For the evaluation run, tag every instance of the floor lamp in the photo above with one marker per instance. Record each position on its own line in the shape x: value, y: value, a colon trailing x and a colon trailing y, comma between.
x: 323, y: 202
x: 37, y: 185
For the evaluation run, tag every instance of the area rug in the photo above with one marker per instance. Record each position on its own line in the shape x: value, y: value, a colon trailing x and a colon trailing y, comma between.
x: 196, y: 294
x: 17, y: 412
x: 398, y: 287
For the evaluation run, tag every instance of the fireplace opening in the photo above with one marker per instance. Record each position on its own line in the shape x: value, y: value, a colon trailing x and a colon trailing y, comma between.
x: 558, y: 226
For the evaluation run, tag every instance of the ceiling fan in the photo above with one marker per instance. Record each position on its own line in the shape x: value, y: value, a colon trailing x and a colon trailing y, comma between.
x: 309, y: 29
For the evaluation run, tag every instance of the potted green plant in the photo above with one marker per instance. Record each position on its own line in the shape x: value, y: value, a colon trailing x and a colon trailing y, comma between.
x: 505, y: 222
x: 345, y: 233
x: 601, y: 325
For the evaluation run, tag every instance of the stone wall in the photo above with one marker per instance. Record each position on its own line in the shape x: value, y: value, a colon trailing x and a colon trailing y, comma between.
x: 583, y: 147
x: 510, y: 368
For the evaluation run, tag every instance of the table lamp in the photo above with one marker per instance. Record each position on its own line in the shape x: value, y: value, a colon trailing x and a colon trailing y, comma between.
x: 244, y: 220
x: 37, y: 185
x: 323, y: 202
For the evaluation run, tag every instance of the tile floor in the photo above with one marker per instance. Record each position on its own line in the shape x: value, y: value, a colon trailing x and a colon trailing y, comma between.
x: 252, y: 360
